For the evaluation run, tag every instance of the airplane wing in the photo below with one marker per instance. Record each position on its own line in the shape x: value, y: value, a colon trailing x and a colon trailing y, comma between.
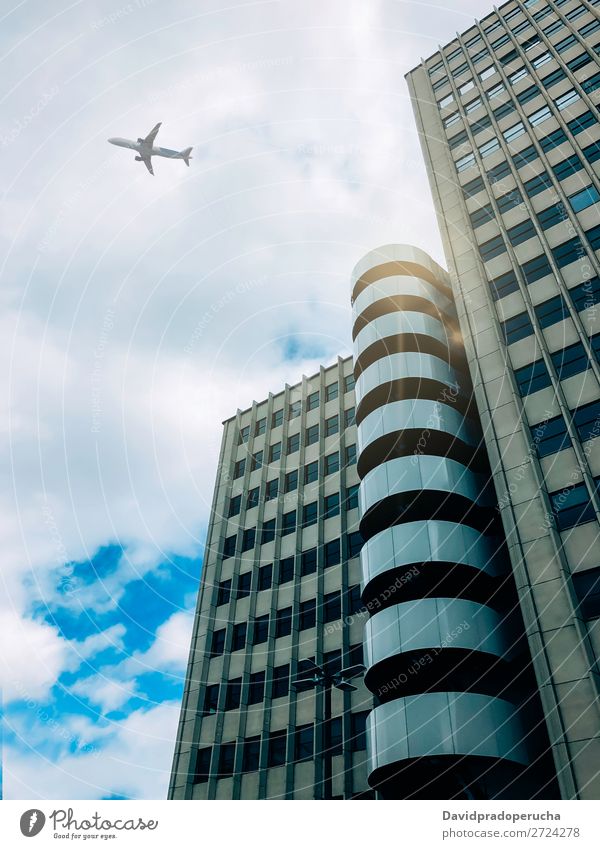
x: 152, y: 134
x: 148, y: 164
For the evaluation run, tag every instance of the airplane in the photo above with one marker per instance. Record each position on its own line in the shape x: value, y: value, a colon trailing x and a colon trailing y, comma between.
x: 146, y: 150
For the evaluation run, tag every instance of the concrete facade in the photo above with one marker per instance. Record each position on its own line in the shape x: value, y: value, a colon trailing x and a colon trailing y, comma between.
x: 508, y: 119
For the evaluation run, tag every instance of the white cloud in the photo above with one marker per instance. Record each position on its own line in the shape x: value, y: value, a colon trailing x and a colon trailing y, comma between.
x: 134, y: 760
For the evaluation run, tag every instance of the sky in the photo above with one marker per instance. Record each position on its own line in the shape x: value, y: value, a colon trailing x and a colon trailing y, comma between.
x: 138, y: 312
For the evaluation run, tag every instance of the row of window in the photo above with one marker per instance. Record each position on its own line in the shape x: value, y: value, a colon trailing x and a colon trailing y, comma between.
x: 564, y: 254
x: 529, y: 154
x: 286, y: 569
x: 281, y: 622
x: 552, y: 436
x: 276, y: 686
x: 295, y: 408
x: 526, y: 45
x: 311, y: 436
x: 300, y: 743
x: 578, y: 201
x: 290, y: 483
x: 568, y: 361
x: 535, y: 118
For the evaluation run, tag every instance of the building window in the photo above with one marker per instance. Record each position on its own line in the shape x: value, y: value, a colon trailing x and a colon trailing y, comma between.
x: 538, y: 117
x: 554, y: 214
x: 550, y: 436
x: 572, y: 506
x: 280, y: 686
x: 239, y: 636
x: 252, y: 498
x: 311, y: 472
x: 516, y: 328
x: 570, y: 360
x: 211, y: 699
x: 224, y: 592
x: 283, y: 622
x: 592, y: 152
x: 250, y: 754
x: 293, y: 443
x: 352, y: 497
x: 528, y: 94
x: 514, y: 132
x: 503, y: 110
x: 552, y: 311
x: 358, y: 730
x: 332, y: 463
x: 277, y: 746
x: 521, y: 232
x: 584, y: 198
x: 202, y: 767
x: 233, y: 693
x: 354, y: 600
x: 552, y: 140
x: 265, y: 577
x: 275, y: 452
x: 355, y: 655
x: 568, y: 252
x: 304, y: 743
x: 248, y: 539
x: 229, y: 547
x: 445, y: 101
x: 286, y: 570
x: 312, y: 401
x: 332, y: 426
x: 256, y: 462
x: 349, y: 383
x: 537, y: 184
x: 217, y: 645
x: 288, y: 523
x: 489, y: 147
x: 465, y: 162
x: 586, y: 294
x: 531, y: 378
x: 291, y: 481
x: 473, y: 187
x: 244, y: 434
x: 566, y: 99
x: 587, y: 420
x: 582, y: 122
x: 261, y: 427
x: 277, y: 418
x: 308, y: 562
x: 331, y: 391
x: 256, y: 688
x: 332, y: 606
x: 332, y: 505
x: 354, y: 543
x: 309, y: 514
x: 226, y: 760
x: 492, y: 248
x: 260, y: 632
x: 268, y: 532
x: 235, y: 504
x: 243, y: 585
x: 536, y: 268
x: 587, y: 590
x: 239, y: 468
x: 295, y: 409
x: 336, y: 738
x: 332, y: 552
x: 312, y: 434
x: 349, y: 417
x: 523, y: 157
x: 308, y: 614
x: 504, y: 285
x: 350, y: 455
x: 271, y: 489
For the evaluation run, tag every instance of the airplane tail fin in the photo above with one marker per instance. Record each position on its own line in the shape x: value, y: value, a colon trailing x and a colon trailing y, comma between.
x: 185, y: 155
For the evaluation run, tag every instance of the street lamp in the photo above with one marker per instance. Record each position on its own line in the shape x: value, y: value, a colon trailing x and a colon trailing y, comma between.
x: 317, y: 676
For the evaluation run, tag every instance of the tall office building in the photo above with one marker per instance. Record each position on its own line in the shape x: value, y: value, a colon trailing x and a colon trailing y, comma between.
x: 508, y: 119
x: 280, y: 585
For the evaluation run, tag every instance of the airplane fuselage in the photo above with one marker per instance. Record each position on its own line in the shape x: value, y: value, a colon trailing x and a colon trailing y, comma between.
x: 147, y: 150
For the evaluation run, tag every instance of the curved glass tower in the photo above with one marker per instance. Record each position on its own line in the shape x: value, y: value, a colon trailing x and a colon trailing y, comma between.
x: 456, y: 710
